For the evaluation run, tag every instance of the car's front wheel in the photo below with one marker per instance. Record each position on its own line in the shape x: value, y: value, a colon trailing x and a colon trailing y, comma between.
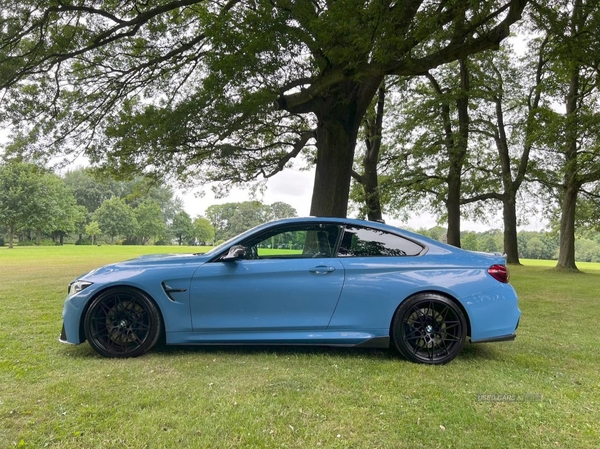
x: 122, y: 322
x: 429, y: 328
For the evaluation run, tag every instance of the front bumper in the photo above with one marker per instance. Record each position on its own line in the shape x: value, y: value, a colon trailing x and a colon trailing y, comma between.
x: 63, y: 336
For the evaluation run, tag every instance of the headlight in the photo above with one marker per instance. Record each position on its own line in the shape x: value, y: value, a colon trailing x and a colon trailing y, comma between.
x: 77, y: 286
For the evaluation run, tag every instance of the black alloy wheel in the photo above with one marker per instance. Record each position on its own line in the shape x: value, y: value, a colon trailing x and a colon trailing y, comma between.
x: 122, y: 322
x: 429, y: 328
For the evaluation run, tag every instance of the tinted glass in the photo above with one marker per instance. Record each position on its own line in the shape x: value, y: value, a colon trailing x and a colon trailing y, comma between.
x: 308, y: 240
x: 365, y: 242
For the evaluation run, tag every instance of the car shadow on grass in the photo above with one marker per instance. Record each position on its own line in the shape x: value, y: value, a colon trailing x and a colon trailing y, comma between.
x: 470, y: 353
x: 280, y: 350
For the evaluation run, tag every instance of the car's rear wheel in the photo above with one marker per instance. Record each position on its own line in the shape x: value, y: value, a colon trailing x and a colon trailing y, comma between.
x: 429, y: 328
x: 122, y: 322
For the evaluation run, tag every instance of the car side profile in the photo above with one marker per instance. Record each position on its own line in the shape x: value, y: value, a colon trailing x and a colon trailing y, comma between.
x: 300, y: 281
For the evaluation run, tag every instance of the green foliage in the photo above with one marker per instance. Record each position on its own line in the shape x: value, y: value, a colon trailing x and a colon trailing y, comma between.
x: 116, y: 219
x: 23, y: 196
x: 93, y: 230
x: 186, y: 89
x: 89, y: 191
x: 38, y: 201
x: 91, y: 188
x: 587, y: 250
x: 150, y: 222
x: 66, y: 217
x: 203, y: 230
x: 531, y: 244
x: 182, y: 228
x: 230, y: 219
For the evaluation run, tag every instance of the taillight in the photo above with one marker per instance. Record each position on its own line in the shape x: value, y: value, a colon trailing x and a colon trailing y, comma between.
x: 499, y: 272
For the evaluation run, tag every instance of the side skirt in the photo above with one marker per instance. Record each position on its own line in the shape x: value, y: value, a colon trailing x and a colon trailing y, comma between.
x: 371, y: 339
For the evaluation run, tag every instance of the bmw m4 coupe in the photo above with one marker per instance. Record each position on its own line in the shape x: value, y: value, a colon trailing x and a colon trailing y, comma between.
x: 300, y: 281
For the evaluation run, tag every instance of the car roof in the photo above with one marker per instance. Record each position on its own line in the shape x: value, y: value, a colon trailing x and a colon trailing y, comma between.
x: 357, y: 222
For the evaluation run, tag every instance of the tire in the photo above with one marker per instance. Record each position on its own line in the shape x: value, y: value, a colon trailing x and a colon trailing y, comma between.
x: 429, y: 328
x: 122, y: 322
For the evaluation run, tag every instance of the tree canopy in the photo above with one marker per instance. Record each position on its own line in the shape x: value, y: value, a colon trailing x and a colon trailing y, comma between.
x: 226, y: 90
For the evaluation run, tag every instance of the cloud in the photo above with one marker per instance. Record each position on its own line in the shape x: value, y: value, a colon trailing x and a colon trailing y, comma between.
x: 290, y: 186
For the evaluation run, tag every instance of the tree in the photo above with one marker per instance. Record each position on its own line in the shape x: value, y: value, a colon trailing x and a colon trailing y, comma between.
x: 228, y: 91
x: 182, y: 227
x: 572, y: 136
x: 116, y: 218
x: 150, y: 222
x: 21, y: 187
x: 243, y: 216
x: 141, y: 189
x: 368, y: 179
x: 281, y: 210
x: 203, y: 230
x: 62, y: 215
x: 93, y: 230
x: 427, y: 157
x: 538, y: 245
x: 88, y: 190
x: 509, y: 94
x: 230, y: 219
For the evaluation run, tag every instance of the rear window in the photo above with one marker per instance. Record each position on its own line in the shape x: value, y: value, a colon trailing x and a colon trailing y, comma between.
x: 367, y: 242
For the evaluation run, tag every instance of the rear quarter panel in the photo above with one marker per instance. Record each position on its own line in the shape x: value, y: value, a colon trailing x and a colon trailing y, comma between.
x: 374, y: 287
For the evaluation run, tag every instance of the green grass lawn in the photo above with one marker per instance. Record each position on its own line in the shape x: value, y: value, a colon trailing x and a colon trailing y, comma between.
x: 59, y: 396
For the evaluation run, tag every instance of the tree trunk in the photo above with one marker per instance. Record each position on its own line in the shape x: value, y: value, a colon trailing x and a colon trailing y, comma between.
x: 339, y: 117
x: 510, y: 187
x: 509, y: 212
x: 457, y: 152
x: 11, y: 236
x: 453, y: 208
x: 566, y: 253
x: 369, y: 178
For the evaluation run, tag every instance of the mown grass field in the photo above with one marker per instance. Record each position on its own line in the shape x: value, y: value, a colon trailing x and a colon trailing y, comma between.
x: 60, y: 396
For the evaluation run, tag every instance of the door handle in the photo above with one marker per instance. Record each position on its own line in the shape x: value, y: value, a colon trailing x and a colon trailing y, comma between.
x: 322, y: 269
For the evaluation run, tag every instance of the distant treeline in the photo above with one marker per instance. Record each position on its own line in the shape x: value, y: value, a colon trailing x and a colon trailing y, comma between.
x: 532, y: 244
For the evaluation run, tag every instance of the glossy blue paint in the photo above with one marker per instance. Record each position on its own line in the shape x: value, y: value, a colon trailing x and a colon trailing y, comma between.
x: 299, y: 299
x: 269, y: 295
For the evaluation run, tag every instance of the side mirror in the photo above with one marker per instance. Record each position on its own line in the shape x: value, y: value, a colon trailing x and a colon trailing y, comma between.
x: 236, y: 252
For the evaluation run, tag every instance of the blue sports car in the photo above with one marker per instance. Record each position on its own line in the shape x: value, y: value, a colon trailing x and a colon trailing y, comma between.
x: 300, y: 281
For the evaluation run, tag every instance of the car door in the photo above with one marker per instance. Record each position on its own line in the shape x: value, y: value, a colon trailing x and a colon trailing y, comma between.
x: 375, y: 263
x: 289, y: 280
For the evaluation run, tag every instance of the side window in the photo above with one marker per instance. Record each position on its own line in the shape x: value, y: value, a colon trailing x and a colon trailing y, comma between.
x: 368, y: 242
x: 304, y: 241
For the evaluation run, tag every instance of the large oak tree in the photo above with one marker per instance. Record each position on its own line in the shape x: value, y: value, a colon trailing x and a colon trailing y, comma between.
x: 225, y: 91
x: 571, y: 164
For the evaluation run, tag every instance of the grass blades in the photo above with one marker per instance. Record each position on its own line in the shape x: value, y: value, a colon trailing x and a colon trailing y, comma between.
x: 542, y: 390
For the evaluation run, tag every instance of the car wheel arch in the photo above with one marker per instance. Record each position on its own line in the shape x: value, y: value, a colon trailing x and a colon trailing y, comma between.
x: 434, y: 292
x: 82, y: 335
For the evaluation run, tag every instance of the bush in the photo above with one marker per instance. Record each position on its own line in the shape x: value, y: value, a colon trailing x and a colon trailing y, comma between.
x: 83, y: 242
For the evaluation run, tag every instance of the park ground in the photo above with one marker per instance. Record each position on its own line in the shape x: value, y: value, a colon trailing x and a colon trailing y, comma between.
x: 542, y: 390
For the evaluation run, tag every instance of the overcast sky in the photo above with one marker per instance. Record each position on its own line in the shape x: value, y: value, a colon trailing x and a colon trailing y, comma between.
x: 295, y: 188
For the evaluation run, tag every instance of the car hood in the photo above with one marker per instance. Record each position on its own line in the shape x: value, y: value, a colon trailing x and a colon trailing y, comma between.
x: 147, y: 263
